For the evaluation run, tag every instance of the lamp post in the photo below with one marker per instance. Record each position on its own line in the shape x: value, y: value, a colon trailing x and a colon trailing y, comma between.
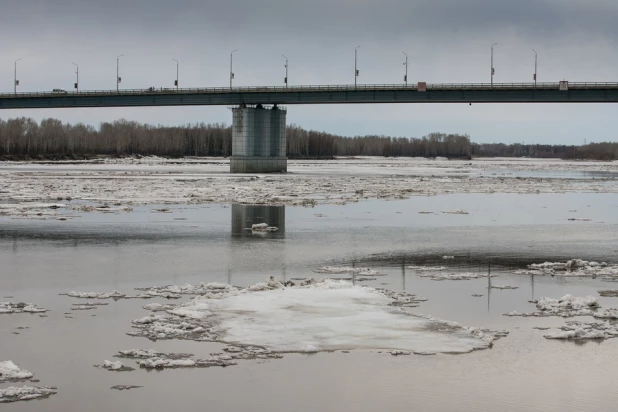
x: 492, y: 64
x: 16, y: 82
x: 405, y: 78
x: 355, y: 62
x: 231, y: 71
x: 286, y: 71
x: 535, y: 66
x: 76, y: 87
x: 118, y: 79
x: 176, y: 82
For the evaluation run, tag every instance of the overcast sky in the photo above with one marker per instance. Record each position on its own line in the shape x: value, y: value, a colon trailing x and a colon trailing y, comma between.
x: 446, y: 40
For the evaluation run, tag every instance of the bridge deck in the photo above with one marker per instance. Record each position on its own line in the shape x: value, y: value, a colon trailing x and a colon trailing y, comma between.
x: 336, y: 94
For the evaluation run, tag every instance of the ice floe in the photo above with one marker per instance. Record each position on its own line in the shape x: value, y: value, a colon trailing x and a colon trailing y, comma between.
x: 347, y: 270
x: 322, y: 316
x: 263, y: 227
x: 567, y: 306
x: 427, y: 268
x: 125, y: 387
x: 150, y: 353
x: 9, y: 371
x: 20, y: 307
x: 576, y: 330
x: 503, y: 287
x: 116, y: 295
x: 382, y: 178
x: 25, y: 393
x: 455, y: 276
x: 608, y: 293
x: 572, y: 268
x: 116, y: 366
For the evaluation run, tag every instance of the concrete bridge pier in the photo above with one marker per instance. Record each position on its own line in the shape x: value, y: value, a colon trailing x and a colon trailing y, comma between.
x: 258, y: 140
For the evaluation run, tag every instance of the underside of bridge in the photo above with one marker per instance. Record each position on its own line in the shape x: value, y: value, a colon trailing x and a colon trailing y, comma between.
x: 258, y: 140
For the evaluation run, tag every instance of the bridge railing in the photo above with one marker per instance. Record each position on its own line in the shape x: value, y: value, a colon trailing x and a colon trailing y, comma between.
x: 315, y: 88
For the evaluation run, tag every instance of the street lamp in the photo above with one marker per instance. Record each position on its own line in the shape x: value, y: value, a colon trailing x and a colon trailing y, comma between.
x: 535, y: 65
x: 16, y: 82
x: 231, y: 71
x: 355, y: 69
x: 176, y: 82
x: 405, y: 78
x: 118, y: 79
x: 492, y: 64
x: 77, y: 79
x: 286, y: 71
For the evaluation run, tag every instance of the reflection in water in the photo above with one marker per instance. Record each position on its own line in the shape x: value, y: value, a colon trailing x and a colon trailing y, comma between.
x: 244, y: 240
x: 244, y: 216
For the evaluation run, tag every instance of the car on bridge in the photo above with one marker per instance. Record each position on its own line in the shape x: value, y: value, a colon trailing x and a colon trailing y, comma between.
x: 61, y: 91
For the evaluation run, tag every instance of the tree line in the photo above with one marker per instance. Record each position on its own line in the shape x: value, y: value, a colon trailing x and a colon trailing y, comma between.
x: 23, y: 138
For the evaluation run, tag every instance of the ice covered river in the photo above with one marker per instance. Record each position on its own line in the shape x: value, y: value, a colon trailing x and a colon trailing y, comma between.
x: 415, y: 265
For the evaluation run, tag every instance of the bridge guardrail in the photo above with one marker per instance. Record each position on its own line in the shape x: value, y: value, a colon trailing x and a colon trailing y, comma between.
x: 316, y: 88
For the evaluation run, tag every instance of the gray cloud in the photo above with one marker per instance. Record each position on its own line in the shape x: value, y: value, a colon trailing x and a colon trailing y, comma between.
x: 447, y: 40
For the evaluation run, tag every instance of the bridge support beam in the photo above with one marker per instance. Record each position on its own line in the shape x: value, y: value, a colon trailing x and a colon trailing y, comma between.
x: 258, y: 140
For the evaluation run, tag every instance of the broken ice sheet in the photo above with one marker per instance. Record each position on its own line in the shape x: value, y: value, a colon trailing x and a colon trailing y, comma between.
x: 9, y: 371
x: 25, y: 393
x: 20, y: 307
x: 329, y: 315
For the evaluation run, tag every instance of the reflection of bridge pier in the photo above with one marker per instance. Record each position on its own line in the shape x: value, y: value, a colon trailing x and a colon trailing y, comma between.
x: 244, y: 216
x: 255, y: 255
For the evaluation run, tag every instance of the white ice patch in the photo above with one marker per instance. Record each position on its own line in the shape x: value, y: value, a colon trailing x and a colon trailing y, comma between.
x: 347, y: 270
x: 571, y: 268
x: 575, y: 330
x: 330, y: 315
x: 455, y: 276
x: 20, y: 307
x: 427, y: 268
x: 25, y: 393
x: 263, y: 227
x: 567, y: 306
x: 9, y: 371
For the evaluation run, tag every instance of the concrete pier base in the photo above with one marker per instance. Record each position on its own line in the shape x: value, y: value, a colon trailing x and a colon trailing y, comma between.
x: 258, y: 140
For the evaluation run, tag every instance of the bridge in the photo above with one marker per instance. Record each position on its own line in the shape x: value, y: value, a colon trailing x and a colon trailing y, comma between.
x: 258, y: 132
x: 562, y: 92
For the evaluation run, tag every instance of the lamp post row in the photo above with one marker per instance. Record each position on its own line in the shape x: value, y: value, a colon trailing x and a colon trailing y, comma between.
x: 285, y: 81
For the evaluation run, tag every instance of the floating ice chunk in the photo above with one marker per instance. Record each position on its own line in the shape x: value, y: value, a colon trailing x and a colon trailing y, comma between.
x: 9, y: 371
x: 503, y: 287
x: 448, y: 257
x: 427, y: 268
x: 20, y: 307
x: 116, y: 366
x: 609, y: 293
x: 174, y: 291
x: 399, y: 352
x: 158, y: 307
x: 455, y: 212
x: 263, y: 227
x: 25, y: 393
x: 94, y: 295
x: 571, y: 268
x: 607, y: 314
x: 566, y: 306
x: 125, y: 387
x: 576, y: 330
x: 150, y: 353
x: 328, y: 315
x: 112, y: 365
x: 455, y: 276
x: 338, y: 270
